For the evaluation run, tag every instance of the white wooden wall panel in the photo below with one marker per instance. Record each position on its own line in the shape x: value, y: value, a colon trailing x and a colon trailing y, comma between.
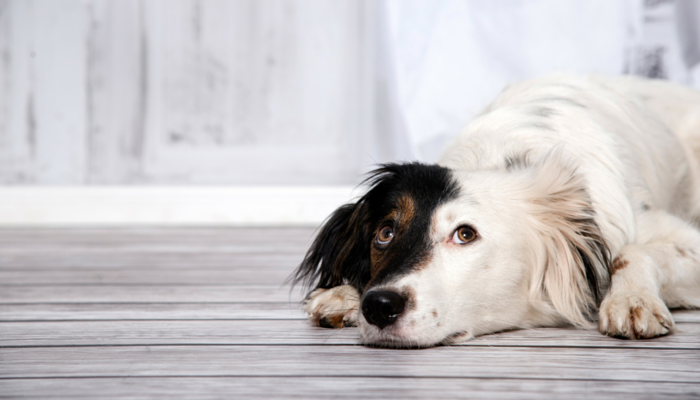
x: 116, y: 90
x: 182, y: 91
x: 239, y: 91
x: 58, y: 65
x: 261, y: 89
x: 17, y: 115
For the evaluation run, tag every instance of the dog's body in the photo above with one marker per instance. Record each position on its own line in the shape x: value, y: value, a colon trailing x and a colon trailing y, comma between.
x: 562, y: 193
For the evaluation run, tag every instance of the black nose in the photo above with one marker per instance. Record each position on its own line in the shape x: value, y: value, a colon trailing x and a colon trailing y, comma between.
x: 382, y: 307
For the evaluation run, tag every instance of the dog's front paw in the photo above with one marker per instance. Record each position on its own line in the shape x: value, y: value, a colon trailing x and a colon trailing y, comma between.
x: 634, y: 316
x: 333, y: 308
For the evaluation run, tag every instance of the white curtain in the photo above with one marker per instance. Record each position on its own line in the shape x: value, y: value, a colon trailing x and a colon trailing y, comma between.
x: 449, y: 58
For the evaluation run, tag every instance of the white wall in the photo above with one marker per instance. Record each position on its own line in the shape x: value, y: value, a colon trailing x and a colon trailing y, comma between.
x: 290, y: 92
x: 184, y: 92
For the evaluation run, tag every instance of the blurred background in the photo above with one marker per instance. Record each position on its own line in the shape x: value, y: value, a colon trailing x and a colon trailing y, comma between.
x: 293, y: 94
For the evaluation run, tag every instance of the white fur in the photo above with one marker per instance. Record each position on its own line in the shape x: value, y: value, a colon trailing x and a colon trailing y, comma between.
x: 623, y: 150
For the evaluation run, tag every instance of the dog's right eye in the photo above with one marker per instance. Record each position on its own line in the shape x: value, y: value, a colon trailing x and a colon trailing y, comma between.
x: 384, y: 236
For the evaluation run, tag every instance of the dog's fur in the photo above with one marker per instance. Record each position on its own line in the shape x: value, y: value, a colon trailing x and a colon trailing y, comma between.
x: 578, y: 190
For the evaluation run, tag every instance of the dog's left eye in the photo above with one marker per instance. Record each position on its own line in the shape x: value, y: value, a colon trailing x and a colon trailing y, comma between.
x: 385, y: 235
x: 464, y: 234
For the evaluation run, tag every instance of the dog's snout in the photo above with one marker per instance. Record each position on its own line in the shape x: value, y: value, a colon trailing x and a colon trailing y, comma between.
x: 382, y: 307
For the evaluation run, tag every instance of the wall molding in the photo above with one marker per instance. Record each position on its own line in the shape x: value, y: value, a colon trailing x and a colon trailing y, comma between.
x: 170, y: 206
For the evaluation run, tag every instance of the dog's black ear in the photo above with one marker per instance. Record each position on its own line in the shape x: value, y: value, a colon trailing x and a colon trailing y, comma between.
x: 340, y: 254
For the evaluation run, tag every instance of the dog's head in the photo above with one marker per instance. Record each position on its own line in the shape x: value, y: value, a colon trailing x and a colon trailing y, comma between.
x: 441, y: 256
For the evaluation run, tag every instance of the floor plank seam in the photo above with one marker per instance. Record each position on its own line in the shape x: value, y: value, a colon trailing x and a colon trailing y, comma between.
x: 457, y: 346
x: 313, y: 376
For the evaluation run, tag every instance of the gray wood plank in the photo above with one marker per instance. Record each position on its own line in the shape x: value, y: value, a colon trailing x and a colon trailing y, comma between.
x: 80, y: 237
x: 148, y: 293
x: 165, y: 276
x: 138, y: 248
x: 149, y: 311
x: 205, y: 311
x: 685, y: 335
x: 232, y: 249
x: 686, y: 315
x: 181, y: 311
x: 458, y: 361
x: 294, y: 332
x: 57, y: 259
x: 367, y: 387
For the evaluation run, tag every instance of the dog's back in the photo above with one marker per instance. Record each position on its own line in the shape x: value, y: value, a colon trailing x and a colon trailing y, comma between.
x: 651, y: 128
x: 676, y: 105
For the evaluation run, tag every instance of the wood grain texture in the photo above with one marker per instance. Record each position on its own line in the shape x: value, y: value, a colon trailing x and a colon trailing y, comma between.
x: 70, y: 250
x: 180, y: 311
x: 148, y: 293
x: 294, y: 332
x: 149, y: 311
x: 226, y: 275
x: 340, y: 387
x: 44, y: 260
x: 250, y: 91
x: 17, y: 102
x: 202, y: 313
x: 89, y: 237
x: 183, y: 91
x: 459, y: 361
x: 116, y: 75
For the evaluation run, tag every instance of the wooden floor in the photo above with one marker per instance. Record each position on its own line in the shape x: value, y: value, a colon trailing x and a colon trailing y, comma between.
x: 182, y: 313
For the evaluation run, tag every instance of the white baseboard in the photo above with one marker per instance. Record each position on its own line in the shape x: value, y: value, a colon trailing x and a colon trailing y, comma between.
x: 173, y: 206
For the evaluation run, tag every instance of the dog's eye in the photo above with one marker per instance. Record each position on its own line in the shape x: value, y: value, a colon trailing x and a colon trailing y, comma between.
x: 464, y: 234
x: 385, y: 235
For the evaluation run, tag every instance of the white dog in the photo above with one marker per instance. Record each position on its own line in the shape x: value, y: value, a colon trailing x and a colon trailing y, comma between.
x: 562, y: 193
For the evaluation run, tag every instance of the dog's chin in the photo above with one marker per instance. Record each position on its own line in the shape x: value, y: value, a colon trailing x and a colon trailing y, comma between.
x: 398, y: 338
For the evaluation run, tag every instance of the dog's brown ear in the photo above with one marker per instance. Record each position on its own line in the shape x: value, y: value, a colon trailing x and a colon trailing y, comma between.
x: 573, y: 258
x: 340, y: 254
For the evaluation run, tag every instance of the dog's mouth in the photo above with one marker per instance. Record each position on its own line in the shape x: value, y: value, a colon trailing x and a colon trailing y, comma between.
x: 392, y: 339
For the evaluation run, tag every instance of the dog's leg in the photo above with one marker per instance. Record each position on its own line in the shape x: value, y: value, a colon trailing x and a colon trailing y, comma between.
x: 662, y: 268
x: 333, y: 308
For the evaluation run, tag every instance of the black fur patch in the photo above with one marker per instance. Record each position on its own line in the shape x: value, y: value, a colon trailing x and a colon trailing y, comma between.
x: 597, y: 253
x: 341, y: 252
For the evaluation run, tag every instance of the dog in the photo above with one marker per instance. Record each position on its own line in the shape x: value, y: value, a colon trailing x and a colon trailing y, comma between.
x: 565, y: 198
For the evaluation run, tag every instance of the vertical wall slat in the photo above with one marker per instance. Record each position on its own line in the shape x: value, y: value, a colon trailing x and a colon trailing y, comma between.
x: 17, y: 119
x: 116, y: 91
x: 58, y: 95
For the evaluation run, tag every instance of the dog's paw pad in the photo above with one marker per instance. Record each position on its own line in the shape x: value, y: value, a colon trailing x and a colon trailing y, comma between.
x: 333, y: 308
x: 634, y: 317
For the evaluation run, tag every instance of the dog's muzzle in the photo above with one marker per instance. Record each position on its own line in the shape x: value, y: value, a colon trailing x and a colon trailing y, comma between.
x: 382, y: 307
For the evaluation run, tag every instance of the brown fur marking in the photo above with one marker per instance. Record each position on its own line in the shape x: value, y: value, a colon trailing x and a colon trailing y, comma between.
x: 402, y: 216
x: 410, y: 297
x: 332, y: 321
x: 407, y: 210
x: 619, y: 264
x: 377, y: 262
x: 682, y: 252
